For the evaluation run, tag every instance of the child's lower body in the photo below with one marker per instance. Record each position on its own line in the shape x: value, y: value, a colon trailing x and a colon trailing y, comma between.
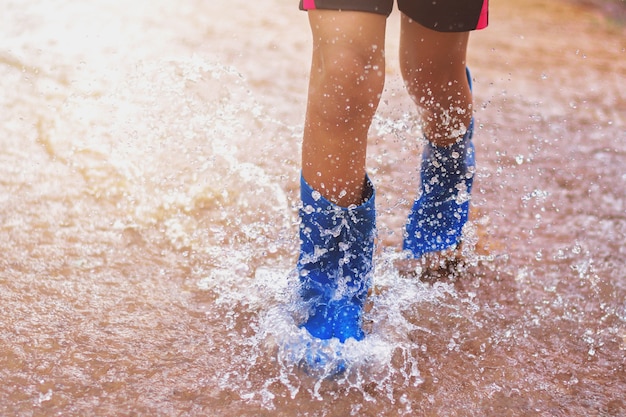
x: 338, y: 218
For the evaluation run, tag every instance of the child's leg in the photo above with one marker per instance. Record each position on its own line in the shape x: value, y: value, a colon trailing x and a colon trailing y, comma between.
x: 338, y: 214
x: 347, y: 77
x: 434, y: 69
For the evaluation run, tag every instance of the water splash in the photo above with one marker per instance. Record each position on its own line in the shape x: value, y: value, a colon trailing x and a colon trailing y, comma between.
x: 169, y: 148
x: 269, y: 348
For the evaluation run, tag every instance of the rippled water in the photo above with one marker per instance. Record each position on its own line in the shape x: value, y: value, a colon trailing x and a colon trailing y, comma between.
x: 150, y: 163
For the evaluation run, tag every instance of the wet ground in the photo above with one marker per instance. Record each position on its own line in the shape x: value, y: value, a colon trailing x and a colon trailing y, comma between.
x: 149, y: 172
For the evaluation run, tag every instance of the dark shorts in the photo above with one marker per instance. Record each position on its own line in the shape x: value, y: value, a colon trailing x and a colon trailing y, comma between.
x: 439, y: 15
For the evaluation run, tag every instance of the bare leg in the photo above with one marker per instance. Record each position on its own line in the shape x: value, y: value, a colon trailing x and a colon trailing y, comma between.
x: 433, y: 67
x: 347, y: 78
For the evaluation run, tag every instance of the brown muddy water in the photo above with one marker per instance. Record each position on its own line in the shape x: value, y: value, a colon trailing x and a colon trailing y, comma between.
x: 148, y: 204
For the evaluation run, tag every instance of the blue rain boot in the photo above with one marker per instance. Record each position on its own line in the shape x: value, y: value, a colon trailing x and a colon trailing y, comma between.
x: 437, y: 218
x: 335, y: 263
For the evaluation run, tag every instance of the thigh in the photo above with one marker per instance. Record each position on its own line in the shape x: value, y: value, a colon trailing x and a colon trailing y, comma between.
x: 373, y: 6
x: 348, y: 33
x: 447, y: 15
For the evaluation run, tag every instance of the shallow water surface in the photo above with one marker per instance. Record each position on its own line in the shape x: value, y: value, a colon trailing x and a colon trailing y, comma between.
x: 150, y: 166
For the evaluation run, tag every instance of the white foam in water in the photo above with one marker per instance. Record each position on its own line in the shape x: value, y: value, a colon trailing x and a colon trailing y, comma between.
x: 375, y: 366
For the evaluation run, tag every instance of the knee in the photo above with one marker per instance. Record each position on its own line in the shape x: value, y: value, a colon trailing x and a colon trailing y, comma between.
x: 430, y: 84
x: 352, y: 80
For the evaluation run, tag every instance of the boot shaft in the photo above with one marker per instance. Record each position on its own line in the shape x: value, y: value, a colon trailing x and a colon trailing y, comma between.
x: 336, y: 246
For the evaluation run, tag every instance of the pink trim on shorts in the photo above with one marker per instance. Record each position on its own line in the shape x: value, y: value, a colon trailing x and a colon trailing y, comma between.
x: 308, y: 4
x: 483, y: 20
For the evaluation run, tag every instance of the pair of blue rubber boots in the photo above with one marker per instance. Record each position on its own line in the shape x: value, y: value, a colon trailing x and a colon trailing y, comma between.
x: 337, y: 244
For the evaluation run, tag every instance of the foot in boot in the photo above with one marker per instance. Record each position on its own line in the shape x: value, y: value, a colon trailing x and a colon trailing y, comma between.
x: 335, y: 263
x: 340, y: 319
x: 437, y: 218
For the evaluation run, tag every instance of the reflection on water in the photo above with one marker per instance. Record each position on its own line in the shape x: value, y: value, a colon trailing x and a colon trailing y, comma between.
x: 148, y: 201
